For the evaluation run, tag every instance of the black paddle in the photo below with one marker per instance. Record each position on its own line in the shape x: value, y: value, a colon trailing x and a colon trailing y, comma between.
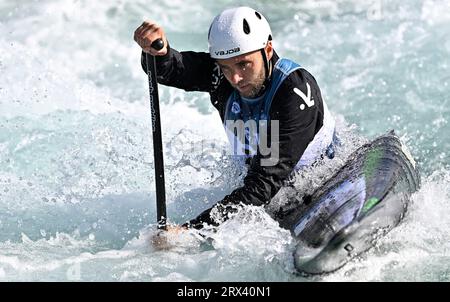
x: 157, y: 139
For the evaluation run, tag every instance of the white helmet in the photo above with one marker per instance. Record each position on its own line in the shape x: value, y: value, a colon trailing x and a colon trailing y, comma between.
x: 237, y: 31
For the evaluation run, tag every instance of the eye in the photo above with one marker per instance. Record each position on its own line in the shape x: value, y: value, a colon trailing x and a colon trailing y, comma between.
x: 244, y: 65
x: 224, y: 68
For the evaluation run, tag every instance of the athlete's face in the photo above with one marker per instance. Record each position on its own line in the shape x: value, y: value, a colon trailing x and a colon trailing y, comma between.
x: 246, y: 72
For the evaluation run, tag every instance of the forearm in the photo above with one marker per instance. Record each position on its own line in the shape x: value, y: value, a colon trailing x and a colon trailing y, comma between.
x: 190, y: 71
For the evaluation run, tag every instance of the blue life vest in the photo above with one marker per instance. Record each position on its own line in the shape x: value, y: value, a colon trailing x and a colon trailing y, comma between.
x: 235, y: 109
x: 258, y: 109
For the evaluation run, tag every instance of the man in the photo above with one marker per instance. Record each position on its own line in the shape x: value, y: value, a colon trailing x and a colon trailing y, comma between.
x: 262, y: 97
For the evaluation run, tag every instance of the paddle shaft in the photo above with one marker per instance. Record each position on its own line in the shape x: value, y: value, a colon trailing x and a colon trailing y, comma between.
x: 157, y: 137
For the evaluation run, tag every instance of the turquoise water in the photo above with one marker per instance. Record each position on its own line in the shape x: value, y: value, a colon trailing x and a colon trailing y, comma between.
x: 76, y: 164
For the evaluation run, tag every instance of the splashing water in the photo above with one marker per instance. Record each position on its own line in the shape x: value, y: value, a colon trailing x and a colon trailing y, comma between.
x: 76, y: 173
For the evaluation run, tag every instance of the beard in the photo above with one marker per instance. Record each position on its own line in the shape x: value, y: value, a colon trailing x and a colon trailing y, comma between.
x: 256, y: 86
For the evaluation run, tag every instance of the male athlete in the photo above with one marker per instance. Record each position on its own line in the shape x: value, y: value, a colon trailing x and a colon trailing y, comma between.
x: 271, y: 108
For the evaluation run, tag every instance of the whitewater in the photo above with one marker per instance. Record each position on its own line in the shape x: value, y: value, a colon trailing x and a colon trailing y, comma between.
x: 77, y: 200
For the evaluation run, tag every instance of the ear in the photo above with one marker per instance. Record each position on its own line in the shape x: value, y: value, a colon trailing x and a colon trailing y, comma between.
x: 269, y: 50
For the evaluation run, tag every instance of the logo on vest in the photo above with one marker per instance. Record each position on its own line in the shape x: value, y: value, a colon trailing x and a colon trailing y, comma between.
x: 306, y: 98
x: 235, y: 108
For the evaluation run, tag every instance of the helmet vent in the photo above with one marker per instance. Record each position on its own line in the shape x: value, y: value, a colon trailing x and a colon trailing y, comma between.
x: 209, y: 32
x: 246, y: 27
x: 258, y: 15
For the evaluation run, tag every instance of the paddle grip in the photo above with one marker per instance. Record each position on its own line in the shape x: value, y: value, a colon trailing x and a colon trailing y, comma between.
x: 158, y: 44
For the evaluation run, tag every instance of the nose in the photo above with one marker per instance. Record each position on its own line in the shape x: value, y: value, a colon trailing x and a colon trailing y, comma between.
x: 236, y: 77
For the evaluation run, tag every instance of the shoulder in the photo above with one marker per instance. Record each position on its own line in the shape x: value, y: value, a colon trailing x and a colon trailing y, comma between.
x: 220, y: 89
x: 299, y: 91
x: 217, y: 76
x: 301, y: 79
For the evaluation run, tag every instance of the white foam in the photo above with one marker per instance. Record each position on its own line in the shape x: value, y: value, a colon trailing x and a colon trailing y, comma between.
x: 75, y: 137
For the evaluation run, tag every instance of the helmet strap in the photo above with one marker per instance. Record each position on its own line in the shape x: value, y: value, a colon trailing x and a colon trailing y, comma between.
x: 266, y: 63
x: 267, y: 66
